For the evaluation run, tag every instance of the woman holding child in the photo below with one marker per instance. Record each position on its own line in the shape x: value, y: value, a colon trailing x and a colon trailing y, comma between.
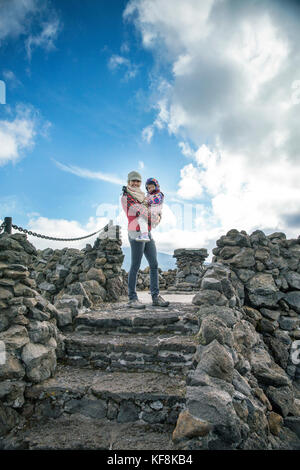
x: 143, y: 213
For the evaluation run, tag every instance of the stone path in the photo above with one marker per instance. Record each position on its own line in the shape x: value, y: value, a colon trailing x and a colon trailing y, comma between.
x: 145, y: 297
x: 120, y: 383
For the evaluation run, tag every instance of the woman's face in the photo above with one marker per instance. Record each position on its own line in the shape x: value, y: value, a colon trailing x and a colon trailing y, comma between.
x: 135, y: 183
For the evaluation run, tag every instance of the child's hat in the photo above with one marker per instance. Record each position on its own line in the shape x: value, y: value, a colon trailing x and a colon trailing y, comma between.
x: 152, y: 181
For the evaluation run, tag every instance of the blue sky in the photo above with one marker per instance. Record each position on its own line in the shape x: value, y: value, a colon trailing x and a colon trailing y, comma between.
x: 186, y: 92
x: 96, y: 114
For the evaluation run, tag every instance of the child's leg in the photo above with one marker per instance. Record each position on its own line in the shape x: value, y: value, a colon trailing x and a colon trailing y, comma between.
x: 143, y: 225
x: 143, y: 234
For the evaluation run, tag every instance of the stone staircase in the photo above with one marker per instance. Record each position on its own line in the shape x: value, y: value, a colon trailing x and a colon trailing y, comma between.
x: 120, y: 383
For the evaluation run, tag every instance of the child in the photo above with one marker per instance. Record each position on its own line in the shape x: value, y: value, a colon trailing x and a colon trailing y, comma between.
x: 153, y: 199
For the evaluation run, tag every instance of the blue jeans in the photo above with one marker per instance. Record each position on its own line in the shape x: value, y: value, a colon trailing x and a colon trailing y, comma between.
x: 137, y: 251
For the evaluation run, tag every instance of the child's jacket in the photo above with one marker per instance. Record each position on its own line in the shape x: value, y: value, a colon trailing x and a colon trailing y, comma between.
x: 133, y: 209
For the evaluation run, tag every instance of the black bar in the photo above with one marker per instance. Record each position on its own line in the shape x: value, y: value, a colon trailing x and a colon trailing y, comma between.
x: 8, y: 224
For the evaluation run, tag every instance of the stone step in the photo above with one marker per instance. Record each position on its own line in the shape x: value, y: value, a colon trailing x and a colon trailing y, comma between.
x: 163, y: 353
x: 150, y: 320
x: 78, y: 432
x: 118, y: 396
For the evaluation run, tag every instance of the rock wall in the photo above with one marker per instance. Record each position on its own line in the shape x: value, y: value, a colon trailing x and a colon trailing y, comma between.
x: 189, y: 268
x: 29, y: 339
x: 244, y: 391
x: 267, y: 273
x: 92, y: 275
x: 41, y: 291
x: 169, y: 278
x: 165, y: 279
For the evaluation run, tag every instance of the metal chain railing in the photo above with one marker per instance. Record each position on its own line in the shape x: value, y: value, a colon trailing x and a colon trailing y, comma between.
x: 7, y: 221
x: 29, y: 232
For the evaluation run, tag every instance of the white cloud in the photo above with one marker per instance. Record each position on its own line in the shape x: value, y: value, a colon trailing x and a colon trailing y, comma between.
x: 20, y: 18
x: 62, y: 228
x: 45, y: 39
x: 163, y: 114
x: 14, y: 15
x: 116, y: 62
x: 172, y: 233
x: 167, y: 242
x: 125, y: 48
x: 189, y: 184
x: 8, y: 205
x: 186, y: 149
x: 160, y: 122
x: 85, y: 173
x: 242, y: 197
x: 174, y: 21
x: 233, y: 82
x: 170, y: 218
x: 11, y: 79
x: 258, y: 51
x: 33, y: 214
x: 18, y: 135
x: 147, y: 133
x: 141, y: 165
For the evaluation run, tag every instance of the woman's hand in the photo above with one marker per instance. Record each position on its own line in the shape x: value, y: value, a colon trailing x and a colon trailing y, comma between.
x: 156, y: 220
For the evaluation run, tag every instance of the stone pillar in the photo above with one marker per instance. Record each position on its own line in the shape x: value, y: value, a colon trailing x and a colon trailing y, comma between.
x: 189, y: 268
x: 109, y: 248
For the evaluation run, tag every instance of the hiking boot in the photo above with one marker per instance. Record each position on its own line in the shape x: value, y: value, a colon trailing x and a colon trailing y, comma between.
x: 158, y: 301
x: 135, y: 303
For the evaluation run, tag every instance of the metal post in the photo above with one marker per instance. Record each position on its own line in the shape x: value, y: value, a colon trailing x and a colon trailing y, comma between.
x: 8, y: 224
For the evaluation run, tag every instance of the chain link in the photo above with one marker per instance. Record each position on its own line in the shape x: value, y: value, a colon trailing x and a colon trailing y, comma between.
x: 29, y: 232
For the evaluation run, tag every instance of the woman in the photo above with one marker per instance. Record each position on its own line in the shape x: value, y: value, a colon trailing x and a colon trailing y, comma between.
x: 133, y: 209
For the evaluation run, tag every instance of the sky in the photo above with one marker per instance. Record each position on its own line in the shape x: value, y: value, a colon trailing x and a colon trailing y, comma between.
x: 203, y: 95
